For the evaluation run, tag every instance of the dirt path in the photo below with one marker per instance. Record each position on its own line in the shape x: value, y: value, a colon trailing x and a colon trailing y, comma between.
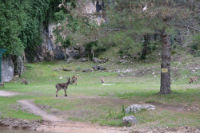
x: 59, y: 125
x: 77, y: 127
x: 7, y: 93
x: 32, y: 108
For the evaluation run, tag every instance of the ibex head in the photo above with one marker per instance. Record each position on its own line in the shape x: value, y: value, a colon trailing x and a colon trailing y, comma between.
x: 74, y: 80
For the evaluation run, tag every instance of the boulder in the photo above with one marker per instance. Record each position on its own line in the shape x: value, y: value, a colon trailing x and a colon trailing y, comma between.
x: 83, y: 60
x: 101, y: 60
x: 7, y: 69
x: 129, y: 120
x: 123, y: 61
x: 138, y: 107
x: 72, y: 53
x: 87, y: 70
x: 96, y: 60
x: 99, y: 68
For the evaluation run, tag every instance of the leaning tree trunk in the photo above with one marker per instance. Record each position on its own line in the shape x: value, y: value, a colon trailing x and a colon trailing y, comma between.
x: 165, y: 87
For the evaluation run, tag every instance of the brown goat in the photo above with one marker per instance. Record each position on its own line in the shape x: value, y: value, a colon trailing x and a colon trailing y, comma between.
x: 193, y: 79
x: 63, y: 86
x: 24, y: 81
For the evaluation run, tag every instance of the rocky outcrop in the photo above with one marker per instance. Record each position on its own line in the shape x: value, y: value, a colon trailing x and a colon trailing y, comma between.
x: 49, y: 50
x: 53, y: 50
x: 134, y: 108
x: 129, y: 120
x: 89, y: 8
x: 7, y: 69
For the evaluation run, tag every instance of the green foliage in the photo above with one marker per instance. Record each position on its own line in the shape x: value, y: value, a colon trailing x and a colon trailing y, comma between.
x: 114, y: 118
x: 11, y: 23
x: 196, y: 45
x: 60, y: 16
x: 21, y: 23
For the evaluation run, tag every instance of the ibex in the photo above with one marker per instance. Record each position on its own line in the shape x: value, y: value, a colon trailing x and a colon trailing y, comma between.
x: 24, y: 81
x: 102, y: 80
x: 1, y: 84
x: 74, y: 80
x: 193, y: 79
x: 63, y: 86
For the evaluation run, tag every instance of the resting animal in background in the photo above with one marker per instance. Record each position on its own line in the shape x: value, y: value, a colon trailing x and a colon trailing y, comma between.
x: 74, y: 80
x: 24, y: 81
x: 2, y: 85
x: 63, y: 86
x: 102, y: 80
x: 193, y: 79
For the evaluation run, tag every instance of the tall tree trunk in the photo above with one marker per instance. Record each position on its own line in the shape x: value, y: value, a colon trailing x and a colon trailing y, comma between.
x: 145, y: 46
x: 165, y: 87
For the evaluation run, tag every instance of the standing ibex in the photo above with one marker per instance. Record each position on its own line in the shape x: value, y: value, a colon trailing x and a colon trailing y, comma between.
x: 193, y: 79
x: 63, y: 86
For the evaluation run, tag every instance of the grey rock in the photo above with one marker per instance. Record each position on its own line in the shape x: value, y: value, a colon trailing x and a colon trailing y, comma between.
x: 69, y: 59
x: 129, y: 120
x: 7, y: 69
x: 83, y: 60
x: 138, y: 107
x: 99, y: 68
x: 72, y: 53
x: 96, y: 60
x: 123, y: 61
x: 87, y: 70
x: 16, y: 123
x: 101, y: 60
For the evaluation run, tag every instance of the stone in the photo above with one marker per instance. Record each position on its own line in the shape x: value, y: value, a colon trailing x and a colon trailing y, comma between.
x: 66, y: 69
x: 83, y: 60
x: 123, y: 61
x: 101, y: 60
x: 69, y: 59
x: 99, y: 68
x: 87, y: 70
x: 73, y: 53
x: 129, y: 120
x: 7, y: 69
x: 97, y: 60
x: 138, y: 107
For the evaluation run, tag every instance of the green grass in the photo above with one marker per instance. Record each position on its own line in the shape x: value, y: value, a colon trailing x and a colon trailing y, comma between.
x: 90, y: 101
x: 10, y: 109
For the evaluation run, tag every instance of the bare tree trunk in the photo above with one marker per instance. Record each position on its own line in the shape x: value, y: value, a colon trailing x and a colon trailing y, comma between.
x: 165, y: 87
x: 145, y: 46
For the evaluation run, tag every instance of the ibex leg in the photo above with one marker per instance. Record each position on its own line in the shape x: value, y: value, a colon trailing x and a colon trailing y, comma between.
x: 65, y: 92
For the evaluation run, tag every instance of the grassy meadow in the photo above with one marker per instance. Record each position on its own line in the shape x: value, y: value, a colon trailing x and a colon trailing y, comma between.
x: 91, y: 101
